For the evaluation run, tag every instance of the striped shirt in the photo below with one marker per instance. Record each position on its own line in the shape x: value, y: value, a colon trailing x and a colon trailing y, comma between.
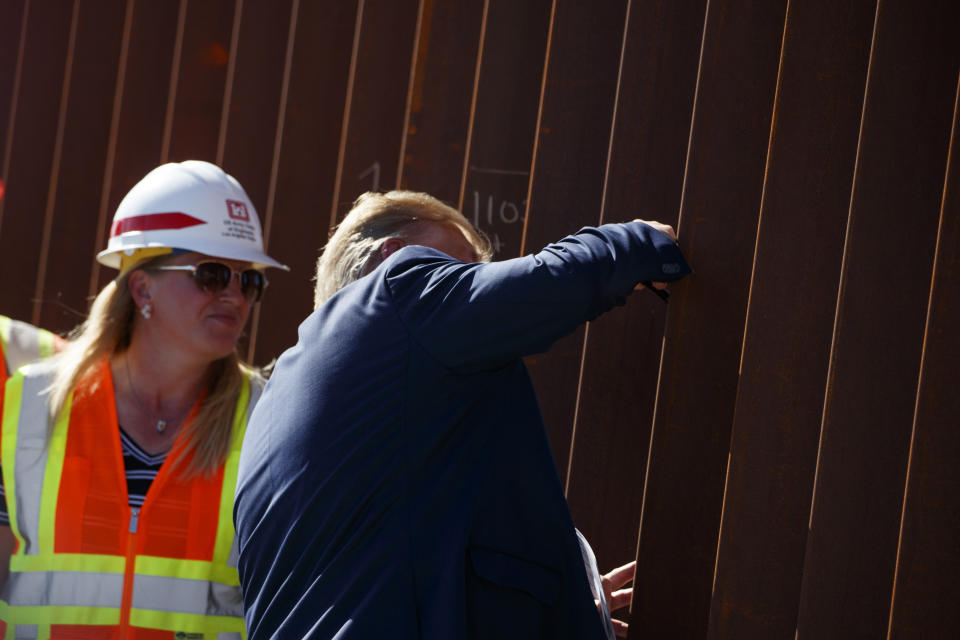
x: 141, y: 468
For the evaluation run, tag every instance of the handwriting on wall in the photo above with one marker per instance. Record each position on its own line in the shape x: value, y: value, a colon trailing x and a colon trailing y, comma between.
x: 491, y: 212
x: 499, y: 216
x: 496, y: 202
x: 374, y: 172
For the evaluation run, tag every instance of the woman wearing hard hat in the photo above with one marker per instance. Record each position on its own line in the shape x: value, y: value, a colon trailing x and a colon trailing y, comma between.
x: 119, y: 455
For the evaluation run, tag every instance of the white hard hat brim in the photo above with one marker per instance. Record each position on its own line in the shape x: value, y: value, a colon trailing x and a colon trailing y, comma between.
x: 112, y: 256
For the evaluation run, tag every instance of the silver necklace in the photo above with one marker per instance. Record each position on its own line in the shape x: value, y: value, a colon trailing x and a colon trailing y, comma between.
x: 161, y: 423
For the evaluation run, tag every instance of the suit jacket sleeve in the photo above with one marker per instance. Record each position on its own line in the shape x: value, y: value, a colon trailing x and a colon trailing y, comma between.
x: 479, y: 316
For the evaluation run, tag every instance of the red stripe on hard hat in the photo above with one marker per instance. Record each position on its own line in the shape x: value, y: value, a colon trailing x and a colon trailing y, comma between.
x: 154, y: 222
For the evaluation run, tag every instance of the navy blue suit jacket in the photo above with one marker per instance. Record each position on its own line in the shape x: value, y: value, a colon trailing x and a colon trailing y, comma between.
x: 396, y: 480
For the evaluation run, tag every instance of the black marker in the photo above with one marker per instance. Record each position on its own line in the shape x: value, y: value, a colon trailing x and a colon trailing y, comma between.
x: 663, y: 294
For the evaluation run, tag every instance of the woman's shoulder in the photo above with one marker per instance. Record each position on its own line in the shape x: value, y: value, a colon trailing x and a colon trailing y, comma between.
x: 256, y: 376
x: 41, y: 370
x: 256, y: 379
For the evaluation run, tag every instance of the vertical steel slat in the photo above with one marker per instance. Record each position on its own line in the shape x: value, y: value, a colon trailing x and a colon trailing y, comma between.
x: 201, y: 78
x: 55, y: 165
x: 497, y: 171
x: 12, y: 41
x: 566, y: 188
x: 306, y: 167
x: 441, y: 91
x: 139, y: 128
x: 926, y: 588
x: 884, y: 285
x: 116, y: 106
x: 622, y: 355
x: 789, y: 326
x: 253, y: 122
x: 60, y: 301
x: 74, y: 230
x: 31, y: 147
x: 371, y: 142
x: 704, y: 329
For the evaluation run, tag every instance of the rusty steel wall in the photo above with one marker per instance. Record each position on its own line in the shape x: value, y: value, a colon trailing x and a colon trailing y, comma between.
x: 778, y: 446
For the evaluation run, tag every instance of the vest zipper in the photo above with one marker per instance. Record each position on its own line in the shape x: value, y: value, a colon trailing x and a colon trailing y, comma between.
x: 128, y: 573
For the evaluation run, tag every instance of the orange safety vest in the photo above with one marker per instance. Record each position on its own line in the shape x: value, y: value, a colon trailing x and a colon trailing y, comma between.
x: 21, y: 343
x: 87, y: 565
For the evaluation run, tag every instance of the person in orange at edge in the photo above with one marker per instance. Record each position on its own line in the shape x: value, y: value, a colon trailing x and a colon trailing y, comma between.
x: 22, y: 343
x: 119, y: 454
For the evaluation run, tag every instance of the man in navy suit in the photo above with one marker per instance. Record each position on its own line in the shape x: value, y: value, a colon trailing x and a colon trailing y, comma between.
x: 395, y: 479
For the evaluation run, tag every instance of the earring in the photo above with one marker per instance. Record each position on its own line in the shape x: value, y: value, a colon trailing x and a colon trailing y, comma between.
x: 146, y: 311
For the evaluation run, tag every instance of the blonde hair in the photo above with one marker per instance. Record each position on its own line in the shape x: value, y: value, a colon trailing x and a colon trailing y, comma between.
x: 107, y: 332
x: 374, y: 218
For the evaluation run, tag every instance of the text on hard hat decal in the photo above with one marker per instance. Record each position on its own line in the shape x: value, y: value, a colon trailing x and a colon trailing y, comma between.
x: 154, y: 222
x: 238, y: 210
x: 239, y: 230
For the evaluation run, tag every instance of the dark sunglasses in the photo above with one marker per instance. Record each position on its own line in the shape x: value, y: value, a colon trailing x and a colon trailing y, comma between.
x: 214, y: 277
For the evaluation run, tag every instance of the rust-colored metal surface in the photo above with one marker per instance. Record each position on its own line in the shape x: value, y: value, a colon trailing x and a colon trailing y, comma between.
x: 248, y: 137
x: 884, y: 290
x: 135, y: 144
x: 306, y: 166
x: 777, y: 446
x: 11, y: 30
x: 618, y: 383
x: 504, y: 121
x: 376, y: 102
x: 441, y: 92
x: 803, y: 222
x: 32, y: 144
x: 61, y: 298
x: 248, y: 143
x: 566, y: 190
x: 928, y: 562
x: 705, y: 320
x: 200, y: 78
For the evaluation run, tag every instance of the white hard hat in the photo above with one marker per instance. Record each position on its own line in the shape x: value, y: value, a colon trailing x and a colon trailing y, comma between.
x: 190, y: 206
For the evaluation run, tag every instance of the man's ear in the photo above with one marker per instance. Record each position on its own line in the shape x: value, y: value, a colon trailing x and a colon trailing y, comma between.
x: 389, y: 246
x: 139, y: 284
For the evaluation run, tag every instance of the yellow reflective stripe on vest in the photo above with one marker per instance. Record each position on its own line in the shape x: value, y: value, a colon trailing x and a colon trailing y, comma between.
x: 68, y: 615
x: 60, y: 615
x: 44, y: 344
x: 8, y: 447
x: 186, y: 570
x: 225, y: 531
x: 85, y: 562
x: 4, y: 335
x: 56, y: 452
x: 187, y: 622
x: 4, y: 341
x: 26, y: 437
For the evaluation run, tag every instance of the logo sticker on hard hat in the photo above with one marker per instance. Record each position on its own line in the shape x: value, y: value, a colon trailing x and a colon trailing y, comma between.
x: 238, y: 224
x: 238, y: 210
